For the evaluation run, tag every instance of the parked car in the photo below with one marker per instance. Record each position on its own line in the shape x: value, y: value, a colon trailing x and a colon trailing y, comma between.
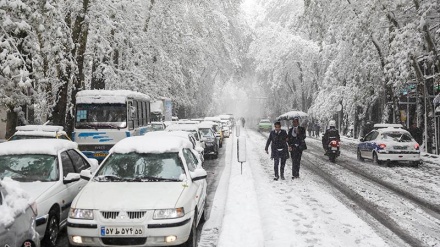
x: 226, y: 128
x: 17, y: 222
x: 148, y: 192
x: 39, y: 132
x: 198, y: 150
x: 390, y: 144
x: 49, y: 170
x: 157, y: 126
x: 211, y: 142
x: 264, y: 125
x: 216, y: 127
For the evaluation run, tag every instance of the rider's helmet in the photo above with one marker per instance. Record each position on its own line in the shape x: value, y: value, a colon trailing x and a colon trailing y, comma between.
x: 332, y: 123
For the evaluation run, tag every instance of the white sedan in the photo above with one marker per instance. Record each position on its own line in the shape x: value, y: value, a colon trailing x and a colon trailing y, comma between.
x: 388, y: 145
x: 49, y: 171
x: 149, y: 191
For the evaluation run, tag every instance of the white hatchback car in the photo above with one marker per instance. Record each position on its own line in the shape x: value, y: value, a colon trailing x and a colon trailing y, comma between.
x: 49, y: 170
x: 387, y: 145
x: 149, y: 191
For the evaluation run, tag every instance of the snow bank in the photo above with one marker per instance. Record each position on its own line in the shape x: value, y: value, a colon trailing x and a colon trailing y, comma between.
x: 15, y: 201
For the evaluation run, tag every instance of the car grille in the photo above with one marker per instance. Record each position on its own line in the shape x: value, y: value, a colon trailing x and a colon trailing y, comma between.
x: 115, y: 214
x: 124, y: 241
x: 136, y: 215
x: 94, y: 147
x: 109, y: 215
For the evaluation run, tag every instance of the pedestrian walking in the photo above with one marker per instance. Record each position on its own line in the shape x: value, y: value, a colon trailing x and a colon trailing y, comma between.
x: 278, y: 143
x: 317, y: 129
x: 296, y: 140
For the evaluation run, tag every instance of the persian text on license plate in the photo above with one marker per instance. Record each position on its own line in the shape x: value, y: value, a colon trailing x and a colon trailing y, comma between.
x: 121, y: 231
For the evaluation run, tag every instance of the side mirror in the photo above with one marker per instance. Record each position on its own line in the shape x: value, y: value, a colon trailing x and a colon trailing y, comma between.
x: 198, y: 174
x: 71, y: 177
x: 93, y: 164
x: 362, y: 139
x: 86, y: 174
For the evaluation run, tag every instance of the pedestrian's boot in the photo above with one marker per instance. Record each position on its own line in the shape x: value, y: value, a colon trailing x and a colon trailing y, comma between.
x: 282, y: 176
x: 276, y: 178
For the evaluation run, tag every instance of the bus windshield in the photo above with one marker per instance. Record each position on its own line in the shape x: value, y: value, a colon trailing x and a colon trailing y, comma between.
x: 101, y: 115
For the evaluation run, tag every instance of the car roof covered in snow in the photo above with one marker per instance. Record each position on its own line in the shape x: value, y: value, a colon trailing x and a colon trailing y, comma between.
x: 36, y: 146
x: 108, y: 96
x: 46, y: 128
x: 392, y: 129
x: 185, y: 127
x: 153, y: 142
x: 385, y: 125
x: 207, y: 124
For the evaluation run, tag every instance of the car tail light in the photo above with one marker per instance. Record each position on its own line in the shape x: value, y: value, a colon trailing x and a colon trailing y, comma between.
x: 382, y: 146
x: 417, y: 146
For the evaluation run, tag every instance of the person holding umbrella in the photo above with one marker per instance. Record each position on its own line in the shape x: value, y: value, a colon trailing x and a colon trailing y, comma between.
x: 297, y: 144
x: 278, y: 138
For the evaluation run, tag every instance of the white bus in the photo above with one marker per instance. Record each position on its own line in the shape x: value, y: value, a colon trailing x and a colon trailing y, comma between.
x: 104, y: 117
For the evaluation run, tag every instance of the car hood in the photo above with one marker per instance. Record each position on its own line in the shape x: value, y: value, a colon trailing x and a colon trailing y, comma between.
x: 36, y: 189
x: 129, y: 195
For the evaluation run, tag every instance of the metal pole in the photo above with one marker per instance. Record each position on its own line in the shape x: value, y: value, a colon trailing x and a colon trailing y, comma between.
x: 407, y: 111
x: 425, y: 92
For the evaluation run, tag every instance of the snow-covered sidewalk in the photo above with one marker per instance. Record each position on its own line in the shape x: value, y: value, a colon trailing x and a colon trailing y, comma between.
x: 251, y: 209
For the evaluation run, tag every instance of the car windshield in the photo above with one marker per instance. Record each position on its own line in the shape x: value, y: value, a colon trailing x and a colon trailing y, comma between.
x: 101, y: 115
x: 205, y: 132
x: 157, y: 127
x: 140, y: 167
x: 265, y: 121
x: 29, y: 167
x: 397, y: 136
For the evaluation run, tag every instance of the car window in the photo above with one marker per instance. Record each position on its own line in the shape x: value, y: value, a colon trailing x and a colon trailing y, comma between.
x: 79, y: 163
x: 64, y: 137
x: 141, y: 166
x: 29, y: 167
x: 397, y: 136
x: 191, y: 160
x: 371, y: 136
x: 67, y: 164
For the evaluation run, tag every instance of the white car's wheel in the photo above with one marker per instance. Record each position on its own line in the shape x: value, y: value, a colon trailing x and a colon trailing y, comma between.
x: 376, y: 160
x: 359, y: 156
x: 192, y: 240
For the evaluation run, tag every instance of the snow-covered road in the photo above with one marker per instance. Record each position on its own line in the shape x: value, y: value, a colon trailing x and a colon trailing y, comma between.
x: 253, y: 210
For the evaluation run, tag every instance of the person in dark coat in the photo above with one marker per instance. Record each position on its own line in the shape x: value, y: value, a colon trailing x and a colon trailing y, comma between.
x: 296, y: 140
x: 416, y: 133
x: 278, y: 142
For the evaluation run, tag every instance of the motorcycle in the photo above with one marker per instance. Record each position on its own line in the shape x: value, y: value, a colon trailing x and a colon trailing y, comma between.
x: 333, y: 149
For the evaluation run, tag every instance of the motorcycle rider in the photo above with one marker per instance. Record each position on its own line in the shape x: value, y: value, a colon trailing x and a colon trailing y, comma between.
x: 330, y: 133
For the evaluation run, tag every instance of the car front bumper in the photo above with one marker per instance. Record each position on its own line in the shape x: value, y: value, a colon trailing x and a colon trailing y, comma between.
x: 154, y: 233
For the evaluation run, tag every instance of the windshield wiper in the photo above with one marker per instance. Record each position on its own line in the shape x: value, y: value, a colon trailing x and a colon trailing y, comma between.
x: 110, y: 126
x: 107, y: 178
x: 83, y: 125
x: 153, y: 179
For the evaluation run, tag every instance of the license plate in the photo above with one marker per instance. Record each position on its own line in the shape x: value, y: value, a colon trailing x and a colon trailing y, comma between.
x: 121, y: 231
x: 400, y: 147
x: 333, y: 148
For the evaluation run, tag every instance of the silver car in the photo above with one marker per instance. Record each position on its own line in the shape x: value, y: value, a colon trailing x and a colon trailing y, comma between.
x: 21, y: 231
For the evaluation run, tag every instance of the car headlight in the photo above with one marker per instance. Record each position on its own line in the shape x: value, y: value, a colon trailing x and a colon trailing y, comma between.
x: 169, y: 213
x: 77, y: 213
